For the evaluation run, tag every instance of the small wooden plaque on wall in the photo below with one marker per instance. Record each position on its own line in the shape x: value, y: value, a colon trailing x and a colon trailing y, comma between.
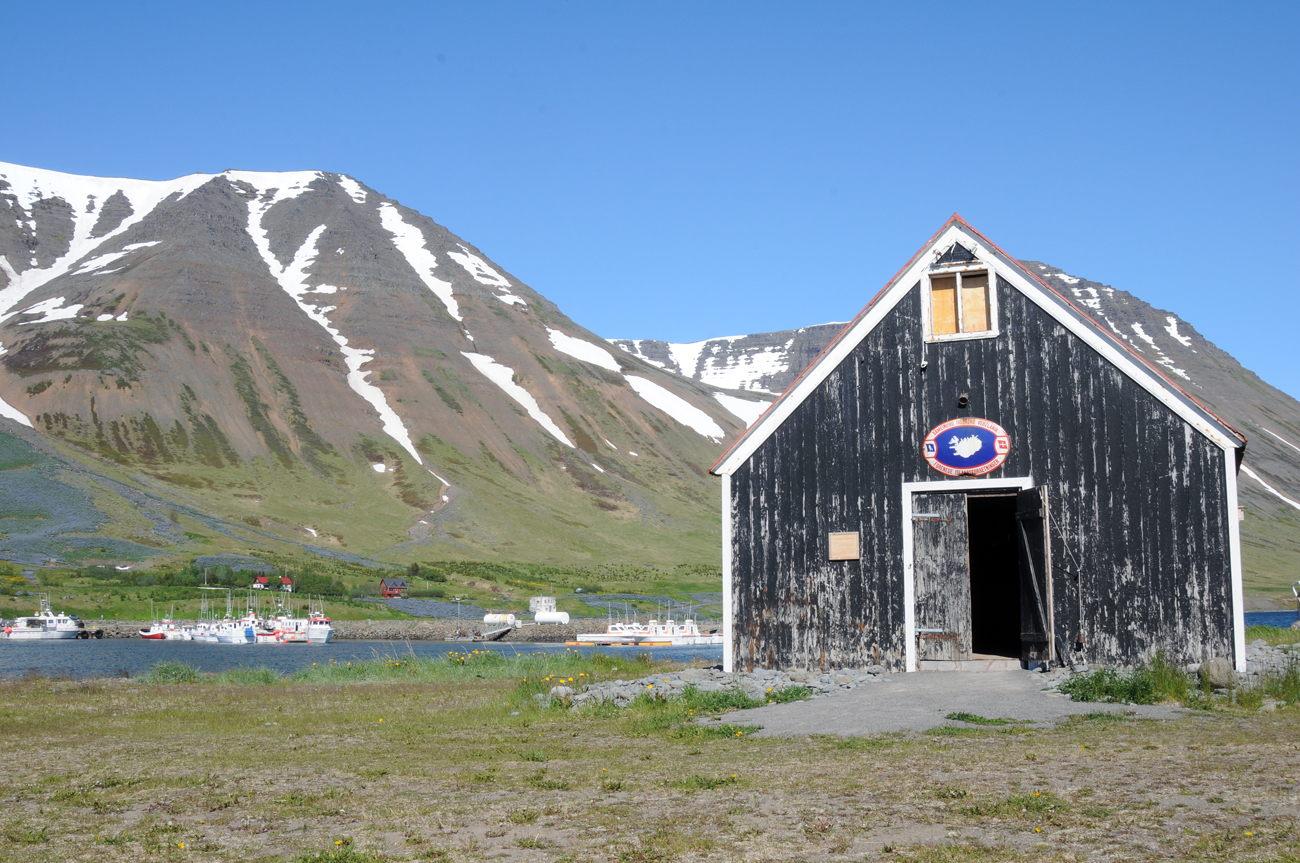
x: 844, y: 546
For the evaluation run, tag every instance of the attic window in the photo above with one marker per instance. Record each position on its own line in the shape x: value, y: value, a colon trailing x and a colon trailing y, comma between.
x: 961, y: 305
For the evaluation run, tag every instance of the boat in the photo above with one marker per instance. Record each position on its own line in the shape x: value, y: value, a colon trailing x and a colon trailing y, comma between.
x: 166, y: 629
x: 666, y: 633
x: 319, y: 628
x: 48, y: 625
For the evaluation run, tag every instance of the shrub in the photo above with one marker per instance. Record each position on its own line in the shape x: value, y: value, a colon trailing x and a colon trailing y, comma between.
x: 1149, y: 684
x: 171, y: 671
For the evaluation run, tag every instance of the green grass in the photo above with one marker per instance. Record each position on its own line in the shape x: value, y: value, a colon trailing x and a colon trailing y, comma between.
x: 1273, y: 634
x: 975, y: 719
x: 171, y: 671
x: 1035, y: 803
x: 1159, y: 681
x: 704, y: 783
x: 343, y: 852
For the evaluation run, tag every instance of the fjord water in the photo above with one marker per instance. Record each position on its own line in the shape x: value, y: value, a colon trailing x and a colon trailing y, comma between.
x: 122, y: 657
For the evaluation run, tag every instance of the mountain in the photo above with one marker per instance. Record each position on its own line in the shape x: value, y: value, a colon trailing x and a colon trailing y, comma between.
x: 1269, y: 481
x: 297, y: 361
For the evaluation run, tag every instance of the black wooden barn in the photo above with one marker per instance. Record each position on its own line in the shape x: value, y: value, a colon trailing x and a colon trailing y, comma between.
x: 974, y: 469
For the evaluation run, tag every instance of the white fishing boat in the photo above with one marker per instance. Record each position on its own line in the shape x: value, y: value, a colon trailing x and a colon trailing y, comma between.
x: 47, y: 625
x: 656, y: 633
x: 319, y: 628
x: 241, y: 631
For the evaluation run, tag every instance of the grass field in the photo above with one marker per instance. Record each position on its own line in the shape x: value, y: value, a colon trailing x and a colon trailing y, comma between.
x: 403, y: 760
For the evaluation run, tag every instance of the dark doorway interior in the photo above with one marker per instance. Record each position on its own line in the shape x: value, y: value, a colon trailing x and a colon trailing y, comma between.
x: 994, y: 575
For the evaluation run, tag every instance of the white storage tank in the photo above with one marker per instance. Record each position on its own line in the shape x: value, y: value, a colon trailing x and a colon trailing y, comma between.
x: 551, y: 617
x: 500, y: 619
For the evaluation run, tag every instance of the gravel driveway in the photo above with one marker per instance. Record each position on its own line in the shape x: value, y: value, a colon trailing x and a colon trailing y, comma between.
x: 919, y: 701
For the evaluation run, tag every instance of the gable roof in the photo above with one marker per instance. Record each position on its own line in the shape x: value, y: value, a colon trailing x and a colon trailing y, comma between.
x: 951, y: 244
x: 393, y: 582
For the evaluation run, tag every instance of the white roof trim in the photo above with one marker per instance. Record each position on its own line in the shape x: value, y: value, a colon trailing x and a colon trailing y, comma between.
x: 1054, y: 306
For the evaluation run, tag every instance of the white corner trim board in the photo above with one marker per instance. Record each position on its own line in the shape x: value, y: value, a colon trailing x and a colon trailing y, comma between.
x: 1020, y: 483
x: 728, y: 607
x: 1234, y: 557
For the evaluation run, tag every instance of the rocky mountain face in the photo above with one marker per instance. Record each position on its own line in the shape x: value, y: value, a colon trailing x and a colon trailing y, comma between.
x: 307, y: 361
x: 1269, y: 483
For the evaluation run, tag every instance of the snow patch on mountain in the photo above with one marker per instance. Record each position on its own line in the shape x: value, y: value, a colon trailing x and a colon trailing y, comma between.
x: 582, y: 349
x: 50, y: 311
x: 409, y: 240
x: 748, y: 411
x: 1284, y: 440
x: 503, y: 376
x: 1268, y: 488
x: 742, y: 371
x: 637, y: 350
x: 353, y: 188
x: 676, y: 407
x: 1161, y: 357
x: 1172, y: 329
x: 687, y: 356
x: 485, y: 275
x: 7, y: 410
x: 98, y: 263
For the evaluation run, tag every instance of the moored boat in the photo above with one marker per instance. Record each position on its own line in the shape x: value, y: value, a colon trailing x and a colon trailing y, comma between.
x: 667, y: 633
x: 48, y: 625
x: 165, y: 630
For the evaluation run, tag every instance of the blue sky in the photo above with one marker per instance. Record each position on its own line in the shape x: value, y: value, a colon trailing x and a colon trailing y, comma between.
x: 680, y: 171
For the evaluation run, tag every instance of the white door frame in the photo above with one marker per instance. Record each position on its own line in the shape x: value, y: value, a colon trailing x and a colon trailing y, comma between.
x: 939, y: 486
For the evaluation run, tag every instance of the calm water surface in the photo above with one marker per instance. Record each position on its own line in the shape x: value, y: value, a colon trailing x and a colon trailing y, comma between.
x: 116, y: 657
x: 1271, y: 618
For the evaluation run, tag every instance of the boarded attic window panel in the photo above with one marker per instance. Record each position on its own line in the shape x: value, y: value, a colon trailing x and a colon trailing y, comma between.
x: 844, y: 546
x: 975, y: 303
x: 943, y: 305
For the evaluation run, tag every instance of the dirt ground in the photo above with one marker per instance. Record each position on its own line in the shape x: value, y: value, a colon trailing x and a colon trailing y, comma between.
x: 120, y: 770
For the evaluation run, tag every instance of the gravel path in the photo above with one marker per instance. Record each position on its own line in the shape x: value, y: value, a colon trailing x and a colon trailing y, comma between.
x: 916, y: 702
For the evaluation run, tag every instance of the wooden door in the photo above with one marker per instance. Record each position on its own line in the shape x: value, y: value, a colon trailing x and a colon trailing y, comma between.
x: 1035, y: 575
x: 941, y: 576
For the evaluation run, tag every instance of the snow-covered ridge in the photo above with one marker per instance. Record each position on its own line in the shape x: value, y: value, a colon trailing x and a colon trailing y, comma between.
x: 84, y: 195
x: 762, y: 363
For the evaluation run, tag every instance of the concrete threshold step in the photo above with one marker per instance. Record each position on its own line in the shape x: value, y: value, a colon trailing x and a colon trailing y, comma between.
x: 969, y: 665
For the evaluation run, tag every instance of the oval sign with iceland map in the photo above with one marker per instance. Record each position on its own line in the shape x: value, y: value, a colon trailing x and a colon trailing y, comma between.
x: 966, y: 447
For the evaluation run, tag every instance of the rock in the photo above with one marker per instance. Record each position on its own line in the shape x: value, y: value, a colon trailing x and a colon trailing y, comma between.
x: 875, y: 669
x: 1296, y: 625
x: 1218, y: 672
x: 1079, y: 668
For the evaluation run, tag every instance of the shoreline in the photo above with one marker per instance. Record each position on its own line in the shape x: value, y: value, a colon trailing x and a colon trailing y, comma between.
x: 388, y: 630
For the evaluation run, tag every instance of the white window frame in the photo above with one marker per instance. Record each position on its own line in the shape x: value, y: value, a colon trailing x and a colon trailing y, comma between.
x: 972, y: 267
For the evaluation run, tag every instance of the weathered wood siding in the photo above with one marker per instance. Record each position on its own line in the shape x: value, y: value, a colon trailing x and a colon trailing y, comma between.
x: 1139, y: 521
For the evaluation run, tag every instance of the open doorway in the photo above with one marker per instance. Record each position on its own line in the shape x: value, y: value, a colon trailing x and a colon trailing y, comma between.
x: 994, y: 575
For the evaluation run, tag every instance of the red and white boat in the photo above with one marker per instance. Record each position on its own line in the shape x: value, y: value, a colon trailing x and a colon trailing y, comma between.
x: 165, y: 630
